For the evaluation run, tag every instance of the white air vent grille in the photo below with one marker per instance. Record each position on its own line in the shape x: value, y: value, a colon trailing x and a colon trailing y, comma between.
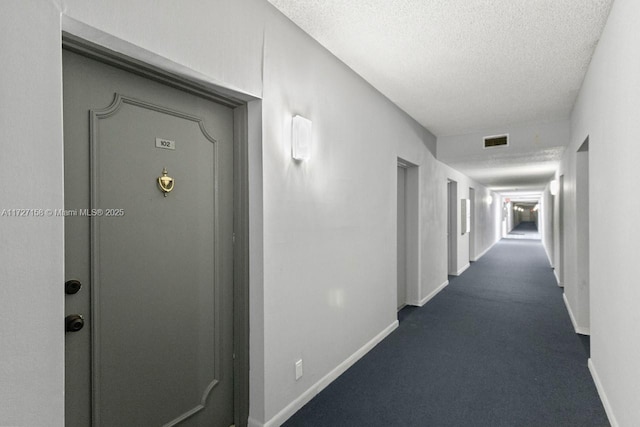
x: 496, y: 141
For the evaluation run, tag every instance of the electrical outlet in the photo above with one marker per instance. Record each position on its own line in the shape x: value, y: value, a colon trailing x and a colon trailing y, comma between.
x: 298, y: 369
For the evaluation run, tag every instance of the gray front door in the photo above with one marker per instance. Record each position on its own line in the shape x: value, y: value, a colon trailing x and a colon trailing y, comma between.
x: 156, y: 268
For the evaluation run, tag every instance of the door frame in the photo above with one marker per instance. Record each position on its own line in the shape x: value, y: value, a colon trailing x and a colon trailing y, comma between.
x: 239, y: 104
x: 401, y: 238
x: 452, y: 227
x: 583, y: 318
x: 561, y: 232
x: 413, y: 289
x: 472, y: 231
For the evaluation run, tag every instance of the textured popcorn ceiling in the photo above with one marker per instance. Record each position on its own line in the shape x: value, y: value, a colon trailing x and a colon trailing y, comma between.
x: 516, y: 173
x: 458, y: 66
x: 461, y: 65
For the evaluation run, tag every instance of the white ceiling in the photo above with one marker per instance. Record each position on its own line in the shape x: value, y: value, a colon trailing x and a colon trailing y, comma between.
x: 513, y: 173
x: 459, y: 66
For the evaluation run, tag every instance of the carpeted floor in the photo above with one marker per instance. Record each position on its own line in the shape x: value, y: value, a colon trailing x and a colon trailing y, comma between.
x: 494, y: 348
x: 524, y: 230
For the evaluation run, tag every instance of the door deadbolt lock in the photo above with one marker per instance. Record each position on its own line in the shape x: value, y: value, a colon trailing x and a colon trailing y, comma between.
x: 74, y: 322
x: 72, y: 287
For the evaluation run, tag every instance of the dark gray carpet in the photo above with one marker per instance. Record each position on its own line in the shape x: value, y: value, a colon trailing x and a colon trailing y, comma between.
x: 494, y: 348
x: 525, y: 230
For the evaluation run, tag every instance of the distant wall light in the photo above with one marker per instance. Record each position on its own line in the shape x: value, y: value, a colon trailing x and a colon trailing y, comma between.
x: 553, y: 187
x: 489, y: 199
x: 300, y: 138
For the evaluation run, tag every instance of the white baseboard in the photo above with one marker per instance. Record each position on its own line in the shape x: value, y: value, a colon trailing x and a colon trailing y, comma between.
x: 462, y: 270
x: 477, y: 257
x: 312, y: 391
x: 555, y: 273
x: 579, y: 329
x: 602, y: 394
x: 435, y: 292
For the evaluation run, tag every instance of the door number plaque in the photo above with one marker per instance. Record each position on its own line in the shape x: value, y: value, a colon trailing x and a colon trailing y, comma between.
x: 165, y: 143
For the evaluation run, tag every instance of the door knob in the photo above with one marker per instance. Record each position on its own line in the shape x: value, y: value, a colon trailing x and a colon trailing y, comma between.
x: 72, y: 287
x: 74, y: 322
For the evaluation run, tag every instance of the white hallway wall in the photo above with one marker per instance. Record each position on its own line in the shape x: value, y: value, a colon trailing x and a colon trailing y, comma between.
x: 31, y: 251
x: 323, y: 242
x: 489, y: 215
x: 607, y: 111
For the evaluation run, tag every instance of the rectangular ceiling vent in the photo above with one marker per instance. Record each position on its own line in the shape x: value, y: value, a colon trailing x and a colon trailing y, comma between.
x: 496, y: 141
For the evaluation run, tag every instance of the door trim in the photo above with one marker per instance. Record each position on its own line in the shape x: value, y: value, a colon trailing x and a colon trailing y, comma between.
x: 107, y: 56
x: 238, y: 102
x: 413, y: 288
x: 452, y: 227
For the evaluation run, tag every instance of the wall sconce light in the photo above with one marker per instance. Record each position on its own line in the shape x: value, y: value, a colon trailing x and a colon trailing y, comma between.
x: 553, y: 187
x: 300, y: 138
x: 489, y: 199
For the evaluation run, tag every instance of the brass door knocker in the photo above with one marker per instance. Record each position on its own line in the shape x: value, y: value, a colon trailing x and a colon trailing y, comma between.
x: 165, y: 182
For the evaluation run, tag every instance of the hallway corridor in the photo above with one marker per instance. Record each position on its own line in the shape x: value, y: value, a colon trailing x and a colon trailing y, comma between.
x: 495, y: 348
